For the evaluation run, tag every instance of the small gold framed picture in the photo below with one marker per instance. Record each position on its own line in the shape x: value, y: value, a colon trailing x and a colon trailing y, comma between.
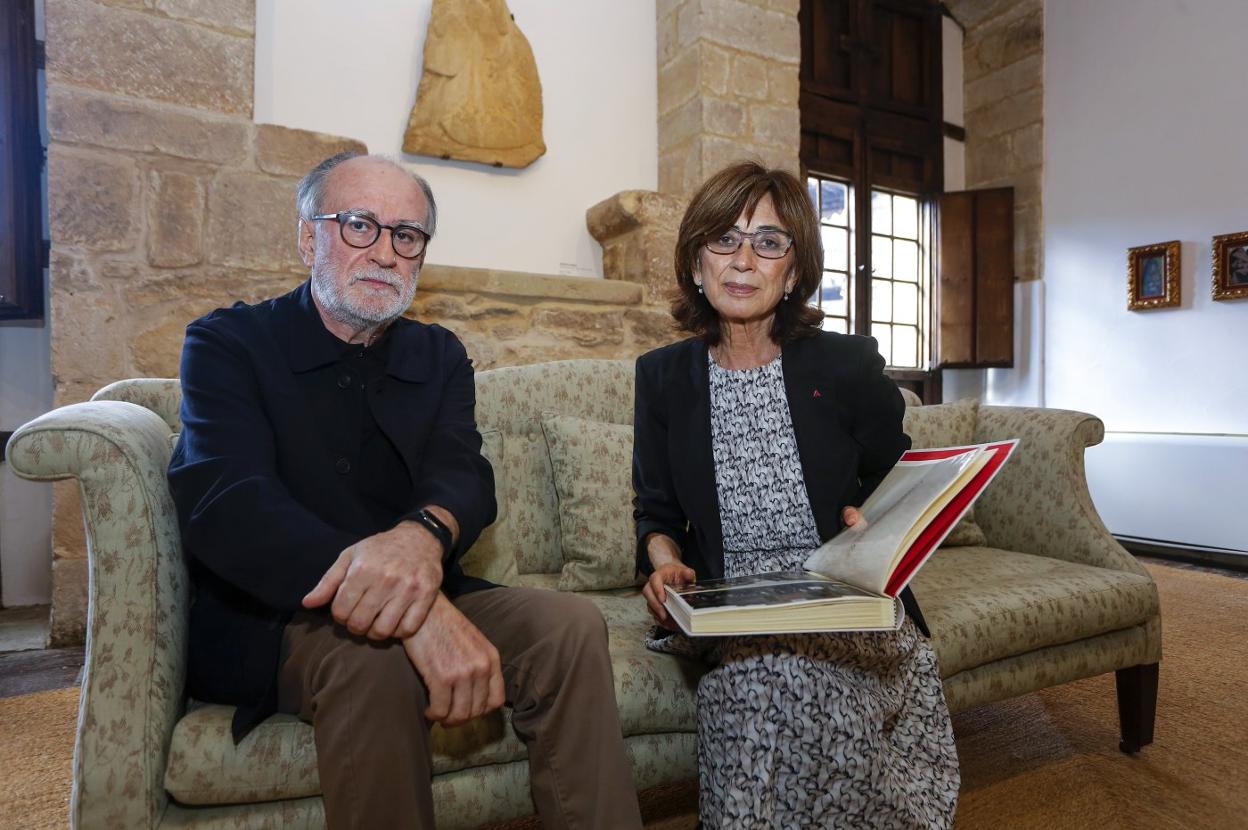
x: 1230, y: 266
x: 1153, y: 276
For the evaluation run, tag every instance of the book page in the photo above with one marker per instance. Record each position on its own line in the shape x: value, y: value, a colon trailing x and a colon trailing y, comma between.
x: 864, y: 555
x: 776, y: 588
x: 948, y: 512
x: 778, y: 602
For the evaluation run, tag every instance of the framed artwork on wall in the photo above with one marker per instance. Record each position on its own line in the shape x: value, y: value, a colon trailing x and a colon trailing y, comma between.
x: 1230, y: 266
x: 1153, y: 276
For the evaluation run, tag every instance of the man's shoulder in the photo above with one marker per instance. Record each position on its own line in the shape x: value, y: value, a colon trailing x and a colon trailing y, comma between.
x: 413, y: 332
x: 242, y: 317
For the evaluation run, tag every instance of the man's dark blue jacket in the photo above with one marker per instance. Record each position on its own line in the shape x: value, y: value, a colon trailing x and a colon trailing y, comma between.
x: 259, y: 488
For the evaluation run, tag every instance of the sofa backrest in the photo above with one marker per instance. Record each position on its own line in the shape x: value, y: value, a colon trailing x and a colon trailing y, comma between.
x: 512, y: 400
x: 161, y: 395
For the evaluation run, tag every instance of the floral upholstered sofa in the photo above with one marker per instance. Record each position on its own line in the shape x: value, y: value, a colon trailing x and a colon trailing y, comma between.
x: 1033, y: 592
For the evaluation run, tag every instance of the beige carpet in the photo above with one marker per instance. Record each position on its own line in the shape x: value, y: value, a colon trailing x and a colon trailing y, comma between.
x: 1051, y: 759
x: 37, y: 742
x: 1045, y: 760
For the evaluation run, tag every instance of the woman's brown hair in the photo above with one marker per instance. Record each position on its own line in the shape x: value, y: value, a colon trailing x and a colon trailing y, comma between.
x: 732, y: 191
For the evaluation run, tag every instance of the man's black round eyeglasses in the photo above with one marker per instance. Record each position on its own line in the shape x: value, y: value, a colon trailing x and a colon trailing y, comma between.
x: 359, y: 230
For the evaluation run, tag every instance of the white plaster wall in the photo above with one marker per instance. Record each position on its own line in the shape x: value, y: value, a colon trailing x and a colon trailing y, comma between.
x: 1144, y: 142
x: 25, y: 507
x: 356, y: 74
x: 25, y: 392
x: 1186, y: 489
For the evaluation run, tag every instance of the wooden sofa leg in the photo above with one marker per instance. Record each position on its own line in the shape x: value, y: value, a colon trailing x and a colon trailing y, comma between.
x: 1137, y: 705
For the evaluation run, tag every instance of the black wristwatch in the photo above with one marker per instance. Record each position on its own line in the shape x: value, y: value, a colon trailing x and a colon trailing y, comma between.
x: 437, y: 527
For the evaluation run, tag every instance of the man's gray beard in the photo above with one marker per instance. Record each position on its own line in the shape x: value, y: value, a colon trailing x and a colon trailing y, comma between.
x: 341, y: 308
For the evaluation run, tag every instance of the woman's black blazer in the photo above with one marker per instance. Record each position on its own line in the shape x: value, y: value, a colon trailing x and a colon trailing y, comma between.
x: 846, y: 419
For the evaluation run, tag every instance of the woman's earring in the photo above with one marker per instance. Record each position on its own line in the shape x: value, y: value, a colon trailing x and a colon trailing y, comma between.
x: 786, y: 296
x: 699, y: 288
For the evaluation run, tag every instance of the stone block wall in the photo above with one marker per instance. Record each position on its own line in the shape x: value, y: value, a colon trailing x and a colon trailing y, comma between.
x: 506, y: 318
x: 637, y: 230
x: 167, y: 201
x: 164, y: 199
x: 1003, y: 64
x: 728, y: 87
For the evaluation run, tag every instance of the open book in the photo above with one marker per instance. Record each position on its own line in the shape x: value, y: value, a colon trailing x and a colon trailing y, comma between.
x: 852, y: 581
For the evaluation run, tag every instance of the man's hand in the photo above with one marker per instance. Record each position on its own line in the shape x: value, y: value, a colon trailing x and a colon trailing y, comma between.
x: 671, y: 573
x: 383, y: 586
x: 460, y: 667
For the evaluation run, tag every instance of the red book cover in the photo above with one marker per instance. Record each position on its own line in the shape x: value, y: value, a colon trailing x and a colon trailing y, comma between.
x: 935, y: 533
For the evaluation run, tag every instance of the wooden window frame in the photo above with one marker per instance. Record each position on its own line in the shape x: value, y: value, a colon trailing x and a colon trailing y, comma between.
x: 867, y: 128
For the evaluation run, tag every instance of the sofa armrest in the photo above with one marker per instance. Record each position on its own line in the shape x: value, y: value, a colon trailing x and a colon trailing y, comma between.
x: 132, y: 692
x: 1040, y: 502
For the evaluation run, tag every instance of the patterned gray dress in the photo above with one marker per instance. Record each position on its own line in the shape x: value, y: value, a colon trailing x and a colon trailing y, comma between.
x: 809, y: 730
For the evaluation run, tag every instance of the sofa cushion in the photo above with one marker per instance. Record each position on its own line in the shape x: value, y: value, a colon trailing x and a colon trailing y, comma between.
x: 592, y: 466
x: 487, y: 558
x: 947, y: 425
x: 654, y: 692
x: 512, y: 398
x: 984, y: 604
x: 277, y: 759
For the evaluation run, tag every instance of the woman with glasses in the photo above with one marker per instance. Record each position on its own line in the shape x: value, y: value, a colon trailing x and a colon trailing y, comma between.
x: 754, y: 440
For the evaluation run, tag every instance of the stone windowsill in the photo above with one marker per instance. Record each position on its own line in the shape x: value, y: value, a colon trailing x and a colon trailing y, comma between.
x: 536, y: 286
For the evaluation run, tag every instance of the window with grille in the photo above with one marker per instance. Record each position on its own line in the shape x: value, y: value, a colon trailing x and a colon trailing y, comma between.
x: 897, y: 294
x: 872, y: 139
x: 899, y: 278
x: 832, y: 200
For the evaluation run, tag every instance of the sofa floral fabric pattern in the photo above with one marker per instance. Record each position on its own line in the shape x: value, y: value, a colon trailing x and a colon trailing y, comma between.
x: 592, y: 466
x: 512, y: 400
x: 1050, y: 598
x: 463, y: 800
x: 161, y: 395
x: 1036, y: 602
x: 1039, y: 502
x: 132, y: 691
x: 947, y: 425
x: 1053, y: 666
x: 488, y: 559
x: 277, y: 760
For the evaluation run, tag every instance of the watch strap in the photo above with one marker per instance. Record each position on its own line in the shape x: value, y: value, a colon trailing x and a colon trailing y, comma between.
x: 437, y: 527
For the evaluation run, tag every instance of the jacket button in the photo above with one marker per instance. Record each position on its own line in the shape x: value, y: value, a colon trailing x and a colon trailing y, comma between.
x: 343, y: 466
x: 344, y: 381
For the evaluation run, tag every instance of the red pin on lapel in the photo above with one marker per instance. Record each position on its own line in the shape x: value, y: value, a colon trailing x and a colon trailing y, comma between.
x: 817, y: 394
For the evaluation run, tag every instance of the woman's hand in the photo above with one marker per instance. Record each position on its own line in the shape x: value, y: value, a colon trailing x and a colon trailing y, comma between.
x: 852, y: 516
x: 672, y: 573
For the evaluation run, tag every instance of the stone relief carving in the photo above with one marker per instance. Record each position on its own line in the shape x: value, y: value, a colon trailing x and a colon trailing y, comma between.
x: 480, y: 98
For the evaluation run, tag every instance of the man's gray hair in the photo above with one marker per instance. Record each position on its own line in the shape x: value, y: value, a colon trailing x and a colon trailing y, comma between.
x: 310, y: 191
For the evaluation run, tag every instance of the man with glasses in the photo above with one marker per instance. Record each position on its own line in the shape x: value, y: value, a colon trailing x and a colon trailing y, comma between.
x: 327, y: 479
